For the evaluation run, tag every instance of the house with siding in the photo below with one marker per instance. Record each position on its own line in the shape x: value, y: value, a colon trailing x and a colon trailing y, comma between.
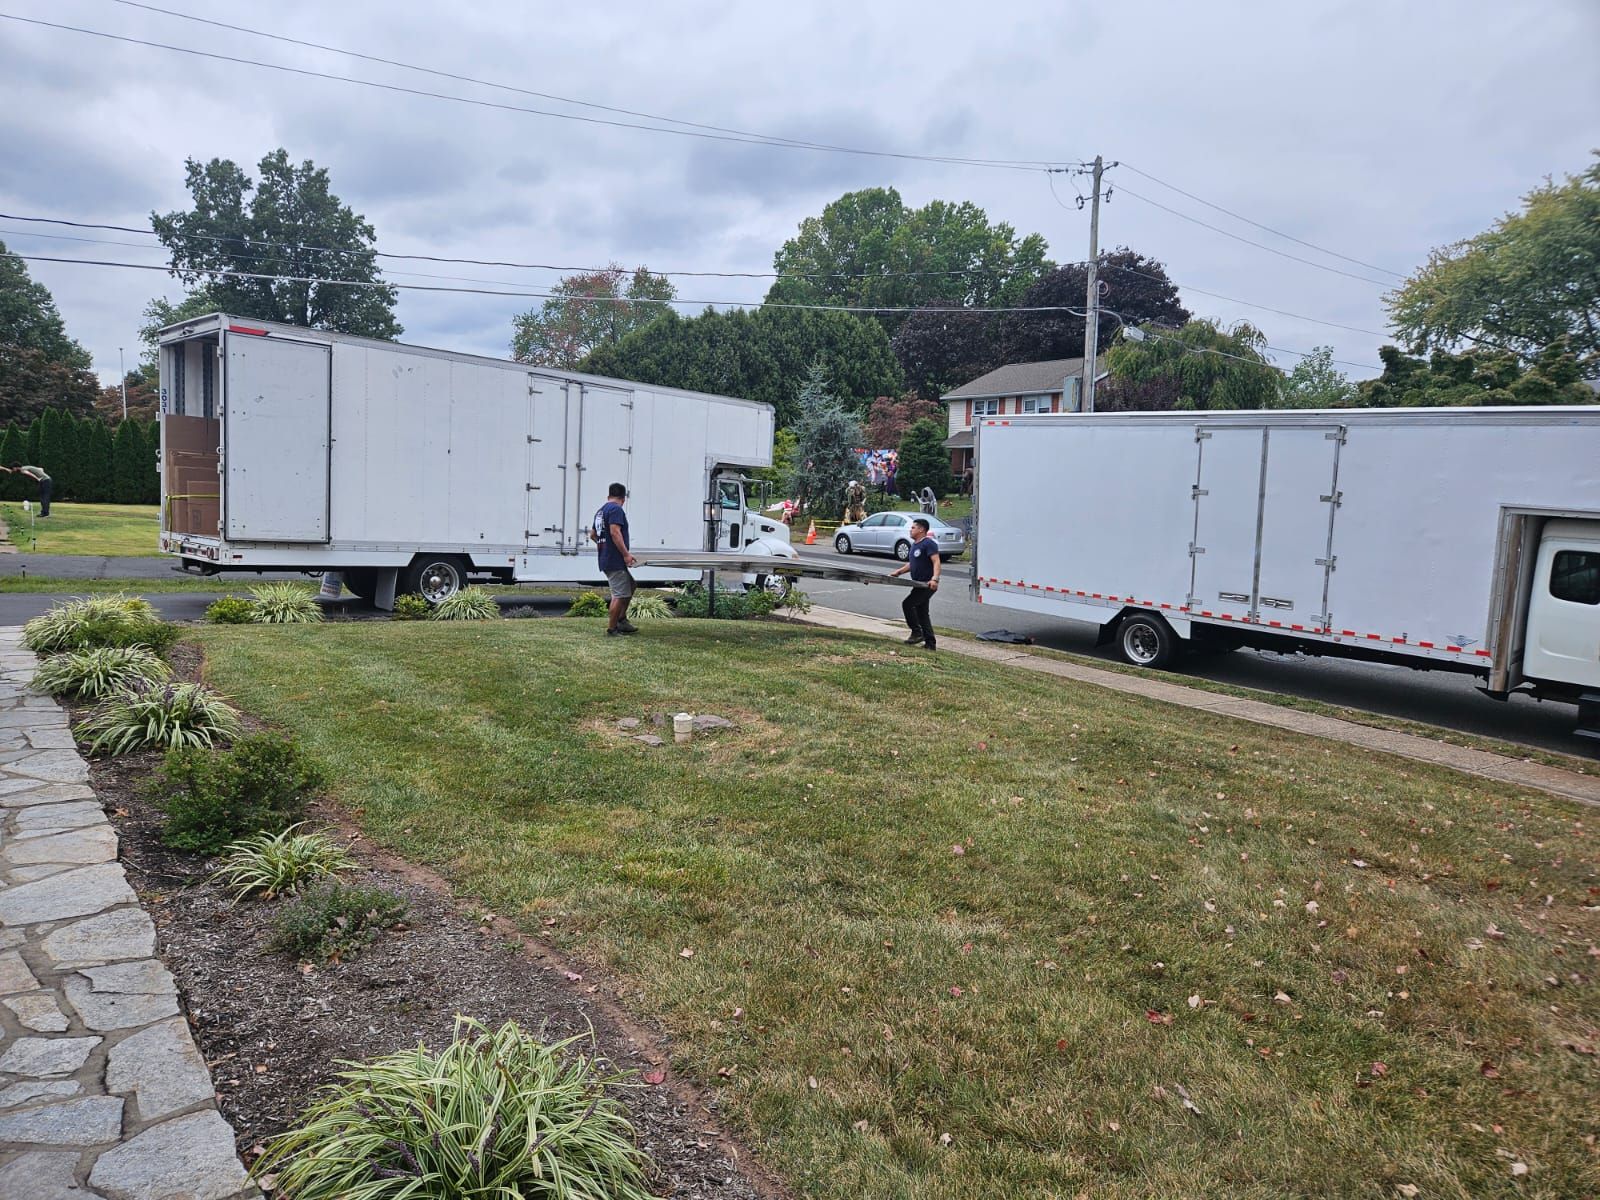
x: 1016, y: 389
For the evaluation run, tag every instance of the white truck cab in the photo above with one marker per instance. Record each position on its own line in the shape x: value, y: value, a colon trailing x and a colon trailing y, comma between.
x: 1563, y: 630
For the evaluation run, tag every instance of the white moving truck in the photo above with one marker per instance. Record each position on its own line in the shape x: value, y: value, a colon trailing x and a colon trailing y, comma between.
x: 284, y: 448
x: 1455, y: 539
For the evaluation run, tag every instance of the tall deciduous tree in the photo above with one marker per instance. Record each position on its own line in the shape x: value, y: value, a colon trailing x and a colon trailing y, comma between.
x: 40, y: 366
x: 943, y: 345
x: 1316, y: 383
x: 827, y: 445
x: 1133, y: 287
x: 869, y: 249
x: 588, y: 311
x: 286, y: 223
x: 888, y: 419
x: 1476, y: 377
x: 1200, y: 366
x: 1525, y: 283
x: 757, y: 356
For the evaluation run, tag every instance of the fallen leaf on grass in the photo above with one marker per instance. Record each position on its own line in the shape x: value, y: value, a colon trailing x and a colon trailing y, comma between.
x: 1488, y: 1070
x: 1379, y: 1070
x: 572, y: 976
x: 944, y: 1139
x: 1188, y: 1101
x: 726, y: 1072
x: 1195, y: 1001
x: 686, y: 953
x: 958, y: 849
x: 1408, y: 1190
x: 1282, y: 998
x: 1156, y: 1017
x: 860, y: 1127
x: 811, y: 1082
x: 1061, y: 1045
x: 655, y: 1078
x: 1519, y: 1169
x: 957, y: 992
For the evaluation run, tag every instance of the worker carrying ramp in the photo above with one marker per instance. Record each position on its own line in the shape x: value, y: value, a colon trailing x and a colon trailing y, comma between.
x: 734, y: 563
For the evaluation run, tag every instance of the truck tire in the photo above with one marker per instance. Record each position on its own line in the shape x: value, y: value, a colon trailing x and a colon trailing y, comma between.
x: 1145, y: 640
x: 434, y: 577
x: 902, y: 550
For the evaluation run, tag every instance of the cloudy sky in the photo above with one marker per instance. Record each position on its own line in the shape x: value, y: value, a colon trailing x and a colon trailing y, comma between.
x: 1373, y: 129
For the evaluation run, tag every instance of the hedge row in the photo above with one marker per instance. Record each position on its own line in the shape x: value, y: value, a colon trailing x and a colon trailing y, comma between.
x: 86, y: 459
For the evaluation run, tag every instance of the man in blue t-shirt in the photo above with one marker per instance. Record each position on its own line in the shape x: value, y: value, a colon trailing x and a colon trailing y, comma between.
x: 924, y: 564
x: 610, y: 535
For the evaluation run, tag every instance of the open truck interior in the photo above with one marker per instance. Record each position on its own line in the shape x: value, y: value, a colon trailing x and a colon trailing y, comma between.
x: 191, y: 436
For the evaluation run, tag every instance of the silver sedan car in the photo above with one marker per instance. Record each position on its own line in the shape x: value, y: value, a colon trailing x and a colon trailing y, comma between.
x: 890, y: 533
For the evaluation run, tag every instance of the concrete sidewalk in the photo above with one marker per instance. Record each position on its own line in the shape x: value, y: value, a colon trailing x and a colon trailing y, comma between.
x: 102, y: 1091
x: 1568, y: 784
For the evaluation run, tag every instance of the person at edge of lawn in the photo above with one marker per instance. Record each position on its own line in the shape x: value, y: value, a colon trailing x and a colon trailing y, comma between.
x: 924, y: 564
x: 39, y: 476
x: 610, y: 533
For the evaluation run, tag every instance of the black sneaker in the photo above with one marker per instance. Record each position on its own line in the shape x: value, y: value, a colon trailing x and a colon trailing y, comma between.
x: 929, y: 645
x: 914, y: 639
x: 627, y: 626
x: 613, y: 632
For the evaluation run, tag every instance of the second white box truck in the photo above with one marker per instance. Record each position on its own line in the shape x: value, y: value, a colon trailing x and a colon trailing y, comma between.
x: 1455, y: 539
x: 286, y: 448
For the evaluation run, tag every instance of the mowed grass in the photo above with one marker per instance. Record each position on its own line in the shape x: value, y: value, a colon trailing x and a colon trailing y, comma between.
x: 929, y: 896
x: 107, y: 529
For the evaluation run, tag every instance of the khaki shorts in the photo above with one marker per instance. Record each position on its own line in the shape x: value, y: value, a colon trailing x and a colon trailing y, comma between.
x: 621, y: 584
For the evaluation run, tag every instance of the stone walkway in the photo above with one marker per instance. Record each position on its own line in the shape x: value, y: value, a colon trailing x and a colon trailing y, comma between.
x: 1518, y: 772
x: 102, y: 1092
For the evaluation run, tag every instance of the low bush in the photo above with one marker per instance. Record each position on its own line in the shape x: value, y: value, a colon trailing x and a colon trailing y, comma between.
x: 100, y: 673
x: 589, y: 604
x: 335, y: 920
x: 285, y: 603
x: 413, y: 606
x: 149, y: 715
x: 277, y: 864
x: 647, y: 606
x: 491, y: 1114
x: 212, y: 798
x: 469, y: 604
x: 99, y: 621
x: 231, y: 610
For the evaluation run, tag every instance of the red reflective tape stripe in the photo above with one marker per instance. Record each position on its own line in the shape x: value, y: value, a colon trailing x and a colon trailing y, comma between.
x: 1484, y: 653
x: 1453, y: 649
x: 1299, y: 627
x: 1227, y: 616
x: 1374, y: 637
x: 1205, y: 612
x: 250, y: 329
x: 1398, y: 641
x: 1426, y: 645
x: 1276, y: 624
x: 1347, y: 633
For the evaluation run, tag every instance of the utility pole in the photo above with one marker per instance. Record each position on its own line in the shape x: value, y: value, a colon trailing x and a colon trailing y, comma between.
x: 122, y: 369
x: 1091, y: 321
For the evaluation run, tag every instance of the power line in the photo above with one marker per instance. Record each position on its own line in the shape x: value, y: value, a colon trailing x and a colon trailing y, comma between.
x: 251, y: 243
x: 1126, y: 190
x: 1282, y: 312
x: 796, y: 143
x: 1241, y: 217
x: 417, y: 287
x: 950, y: 160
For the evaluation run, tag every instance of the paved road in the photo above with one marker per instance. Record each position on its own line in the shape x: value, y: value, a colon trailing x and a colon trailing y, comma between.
x: 1432, y: 697
x: 96, y: 566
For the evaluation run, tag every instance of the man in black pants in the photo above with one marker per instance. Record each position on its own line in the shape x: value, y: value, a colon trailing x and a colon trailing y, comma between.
x: 924, y: 564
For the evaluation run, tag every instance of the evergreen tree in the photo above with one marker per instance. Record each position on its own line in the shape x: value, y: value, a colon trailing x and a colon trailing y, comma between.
x: 924, y: 462
x: 149, y: 478
x: 69, y: 483
x: 13, y: 449
x: 827, y: 447
x: 35, y: 429
x: 95, y: 470
x: 129, y: 461
x: 54, y: 447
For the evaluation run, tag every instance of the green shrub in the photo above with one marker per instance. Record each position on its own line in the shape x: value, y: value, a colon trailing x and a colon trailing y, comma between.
x: 469, y: 604
x: 231, y: 610
x: 146, y: 715
x: 99, y: 621
x: 589, y: 604
x: 334, y: 920
x: 647, y: 606
x: 492, y: 1114
x: 98, y: 674
x: 732, y: 605
x: 412, y: 607
x: 212, y: 798
x: 276, y: 864
x: 285, y: 603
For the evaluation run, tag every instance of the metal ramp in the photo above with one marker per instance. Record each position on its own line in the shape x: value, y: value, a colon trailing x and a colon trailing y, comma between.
x: 733, y: 563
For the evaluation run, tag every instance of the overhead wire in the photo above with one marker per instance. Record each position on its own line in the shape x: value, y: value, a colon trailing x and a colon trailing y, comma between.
x: 306, y: 72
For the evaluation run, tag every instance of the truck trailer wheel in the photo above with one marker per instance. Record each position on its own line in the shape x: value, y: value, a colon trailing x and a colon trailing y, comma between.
x: 362, y: 582
x: 434, y: 577
x: 1145, y: 640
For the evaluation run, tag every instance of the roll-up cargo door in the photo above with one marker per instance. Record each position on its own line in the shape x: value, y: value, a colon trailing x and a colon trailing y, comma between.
x: 275, y: 439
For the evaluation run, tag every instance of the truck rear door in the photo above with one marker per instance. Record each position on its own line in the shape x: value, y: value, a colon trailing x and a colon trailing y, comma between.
x: 276, y: 423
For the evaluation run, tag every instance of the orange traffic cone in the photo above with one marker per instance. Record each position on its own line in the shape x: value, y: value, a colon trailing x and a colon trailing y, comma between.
x: 811, y: 534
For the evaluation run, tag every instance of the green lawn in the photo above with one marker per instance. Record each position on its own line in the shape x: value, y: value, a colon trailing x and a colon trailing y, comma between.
x: 108, y: 529
x: 1039, y: 918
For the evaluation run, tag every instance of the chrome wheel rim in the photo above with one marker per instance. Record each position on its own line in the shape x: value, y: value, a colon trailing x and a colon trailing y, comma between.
x: 439, y: 581
x: 842, y: 545
x: 1141, y: 644
x: 902, y: 551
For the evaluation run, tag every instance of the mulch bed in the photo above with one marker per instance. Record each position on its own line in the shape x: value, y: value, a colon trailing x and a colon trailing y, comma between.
x: 273, y: 1028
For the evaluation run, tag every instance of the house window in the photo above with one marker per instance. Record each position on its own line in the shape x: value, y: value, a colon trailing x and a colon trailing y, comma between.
x: 1035, y: 404
x: 1575, y: 576
x: 986, y: 408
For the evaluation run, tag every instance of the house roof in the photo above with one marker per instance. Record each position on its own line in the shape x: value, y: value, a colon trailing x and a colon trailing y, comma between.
x: 959, y: 441
x: 1020, y: 379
